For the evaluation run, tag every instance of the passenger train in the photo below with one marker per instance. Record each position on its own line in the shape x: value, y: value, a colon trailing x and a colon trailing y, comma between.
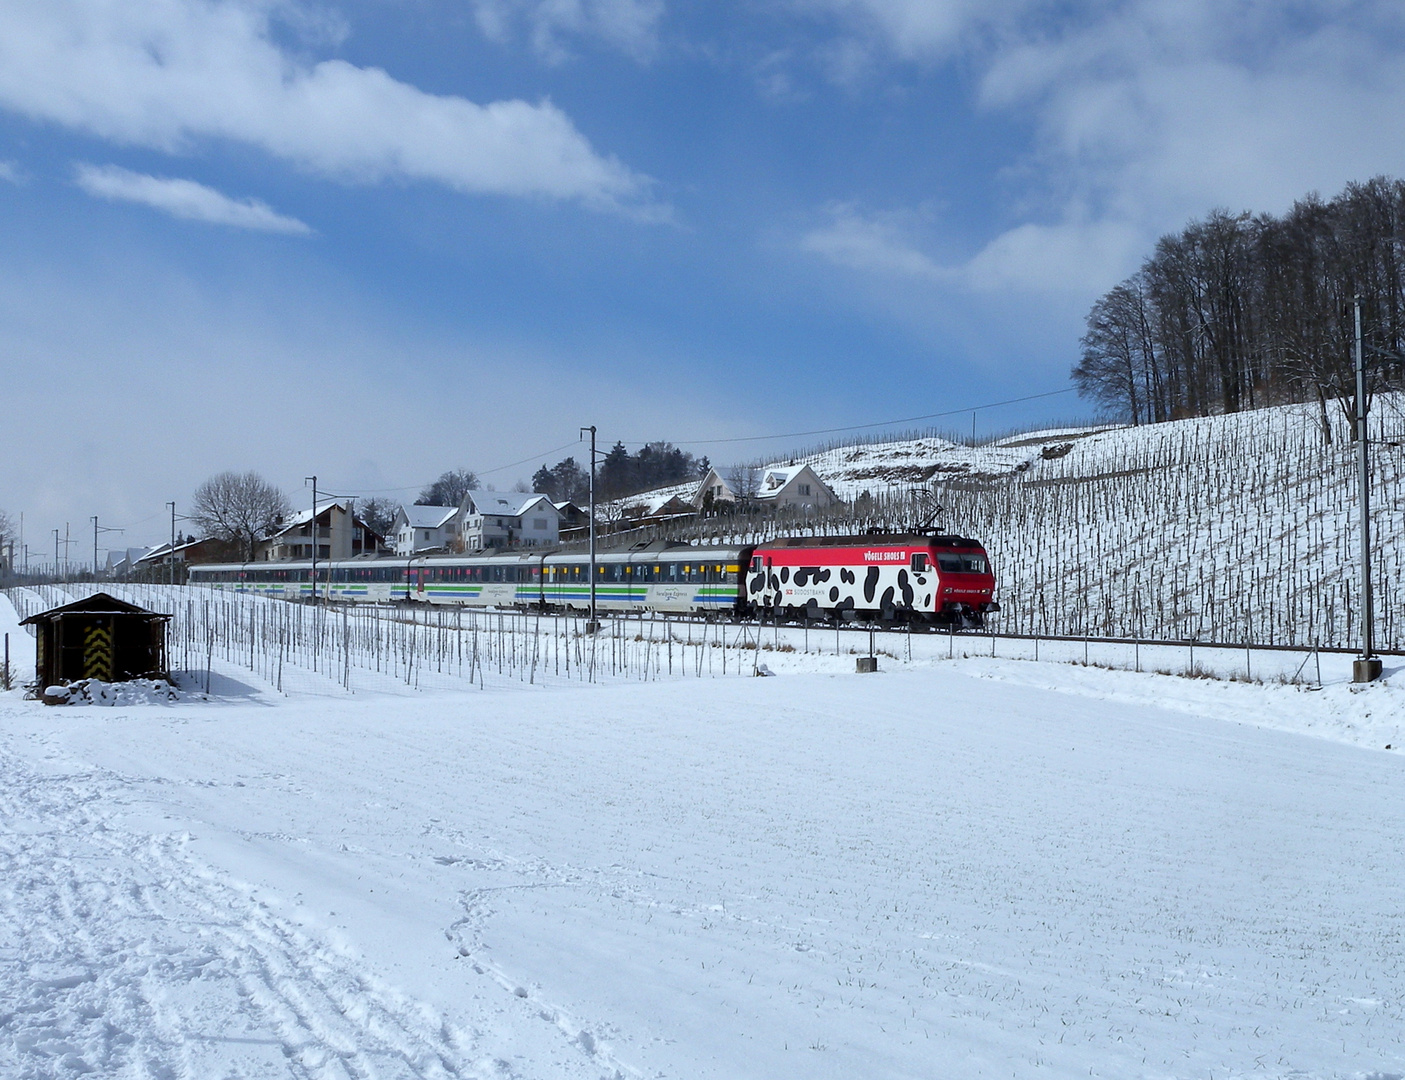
x: 895, y: 577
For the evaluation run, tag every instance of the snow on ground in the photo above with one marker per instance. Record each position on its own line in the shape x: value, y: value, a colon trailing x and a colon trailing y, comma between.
x: 975, y: 867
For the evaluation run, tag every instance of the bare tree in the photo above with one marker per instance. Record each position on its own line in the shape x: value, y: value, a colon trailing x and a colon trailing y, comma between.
x: 449, y: 489
x: 7, y: 537
x: 239, y: 507
x: 1238, y: 311
x: 378, y: 513
x: 745, y: 482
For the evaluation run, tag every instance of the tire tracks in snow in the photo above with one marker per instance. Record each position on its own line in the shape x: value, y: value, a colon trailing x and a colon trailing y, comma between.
x: 120, y: 954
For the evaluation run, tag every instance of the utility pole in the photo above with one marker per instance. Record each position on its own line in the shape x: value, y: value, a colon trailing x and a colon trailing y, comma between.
x: 305, y: 479
x: 1367, y: 668
x: 65, y: 542
x: 96, y: 530
x: 594, y: 624
x: 171, y: 556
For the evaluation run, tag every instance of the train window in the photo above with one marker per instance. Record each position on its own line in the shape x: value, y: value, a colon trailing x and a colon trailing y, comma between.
x: 756, y: 564
x: 949, y: 564
x: 919, y: 562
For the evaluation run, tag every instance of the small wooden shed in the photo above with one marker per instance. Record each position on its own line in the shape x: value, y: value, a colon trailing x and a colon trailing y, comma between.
x: 99, y: 637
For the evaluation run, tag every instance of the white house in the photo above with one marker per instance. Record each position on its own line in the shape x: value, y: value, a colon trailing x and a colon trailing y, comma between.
x: 496, y: 519
x: 427, y: 528
x: 776, y: 485
x: 713, y: 489
x: 793, y: 486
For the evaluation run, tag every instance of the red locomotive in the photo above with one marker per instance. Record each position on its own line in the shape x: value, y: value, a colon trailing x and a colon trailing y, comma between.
x: 886, y: 577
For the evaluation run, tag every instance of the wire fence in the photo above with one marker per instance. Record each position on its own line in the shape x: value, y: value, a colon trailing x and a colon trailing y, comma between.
x: 297, y: 648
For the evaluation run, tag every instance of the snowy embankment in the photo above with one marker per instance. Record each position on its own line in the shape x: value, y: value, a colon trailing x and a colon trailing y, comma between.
x: 976, y: 867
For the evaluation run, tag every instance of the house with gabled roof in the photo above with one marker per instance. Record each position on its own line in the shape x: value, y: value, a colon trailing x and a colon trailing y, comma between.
x: 712, y: 490
x: 427, y: 528
x: 338, y: 533
x: 499, y: 519
x: 792, y: 486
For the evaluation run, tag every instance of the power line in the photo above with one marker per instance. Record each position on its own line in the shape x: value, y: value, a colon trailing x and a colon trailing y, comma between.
x: 477, y: 472
x: 865, y: 427
x: 740, y: 439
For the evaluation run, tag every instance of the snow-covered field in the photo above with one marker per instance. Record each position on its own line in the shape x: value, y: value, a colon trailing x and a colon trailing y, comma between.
x: 953, y: 868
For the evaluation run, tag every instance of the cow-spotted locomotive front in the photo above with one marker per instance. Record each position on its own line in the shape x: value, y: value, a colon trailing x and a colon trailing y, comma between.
x: 890, y: 578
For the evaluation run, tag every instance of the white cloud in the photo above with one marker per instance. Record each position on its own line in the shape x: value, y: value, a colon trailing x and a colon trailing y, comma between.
x: 1072, y: 257
x: 1146, y: 113
x: 913, y: 29
x: 10, y: 173
x: 870, y: 243
x: 1068, y: 258
x: 166, y: 73
x: 628, y: 25
x: 184, y: 199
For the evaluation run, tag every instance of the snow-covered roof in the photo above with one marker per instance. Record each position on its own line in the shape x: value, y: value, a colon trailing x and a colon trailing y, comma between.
x: 772, y: 480
x: 304, y: 517
x: 162, y: 551
x: 656, y: 499
x: 428, y: 517
x: 506, y: 503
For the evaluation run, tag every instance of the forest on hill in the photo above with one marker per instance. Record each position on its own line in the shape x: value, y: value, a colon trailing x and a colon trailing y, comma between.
x: 1240, y: 311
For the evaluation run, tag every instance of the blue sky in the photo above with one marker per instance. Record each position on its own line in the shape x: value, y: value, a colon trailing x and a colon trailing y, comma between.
x: 379, y: 239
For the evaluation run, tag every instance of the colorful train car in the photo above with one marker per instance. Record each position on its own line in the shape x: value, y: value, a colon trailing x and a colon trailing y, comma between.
x: 889, y: 578
x: 885, y: 577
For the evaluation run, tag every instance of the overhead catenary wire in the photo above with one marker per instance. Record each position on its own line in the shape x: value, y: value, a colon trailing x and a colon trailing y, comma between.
x: 867, y: 427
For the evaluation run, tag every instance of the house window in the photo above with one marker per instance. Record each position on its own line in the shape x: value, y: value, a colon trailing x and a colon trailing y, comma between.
x: 539, y: 524
x: 804, y: 489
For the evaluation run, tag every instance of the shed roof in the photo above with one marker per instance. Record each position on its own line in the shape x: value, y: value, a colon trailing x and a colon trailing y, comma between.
x: 98, y: 604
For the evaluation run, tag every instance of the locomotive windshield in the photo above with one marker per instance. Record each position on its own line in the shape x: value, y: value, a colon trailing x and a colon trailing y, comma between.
x: 961, y: 562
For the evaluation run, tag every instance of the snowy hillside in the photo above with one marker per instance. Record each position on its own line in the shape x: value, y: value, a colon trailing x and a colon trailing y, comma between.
x: 954, y: 868
x: 1229, y: 528
x: 893, y: 468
